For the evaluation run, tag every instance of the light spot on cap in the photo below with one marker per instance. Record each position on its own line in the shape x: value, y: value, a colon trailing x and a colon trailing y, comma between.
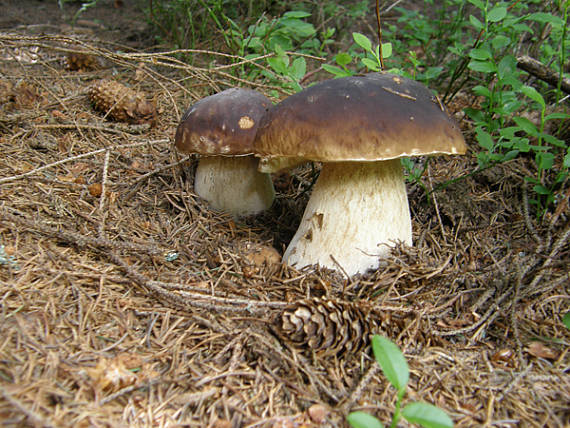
x: 246, y: 122
x: 397, y: 79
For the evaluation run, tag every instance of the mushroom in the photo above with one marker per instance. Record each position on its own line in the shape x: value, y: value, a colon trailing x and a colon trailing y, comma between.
x: 222, y: 128
x: 358, y: 127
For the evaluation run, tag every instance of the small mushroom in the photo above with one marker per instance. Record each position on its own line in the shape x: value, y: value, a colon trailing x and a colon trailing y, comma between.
x: 358, y: 127
x: 222, y: 128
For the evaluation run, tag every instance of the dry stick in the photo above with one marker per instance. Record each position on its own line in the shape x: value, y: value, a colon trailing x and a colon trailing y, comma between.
x: 487, y: 315
x: 129, y: 389
x: 157, y: 59
x: 514, y: 383
x: 73, y: 158
x: 135, y: 186
x: 77, y: 238
x: 514, y: 323
x: 379, y: 34
x: 526, y: 215
x: 359, y: 390
x: 560, y: 242
x: 392, y: 6
x: 102, y: 213
x: 539, y: 70
x: 29, y: 413
x: 435, y: 204
x: 187, y: 300
x: 131, y: 129
x: 304, y: 366
x: 249, y: 304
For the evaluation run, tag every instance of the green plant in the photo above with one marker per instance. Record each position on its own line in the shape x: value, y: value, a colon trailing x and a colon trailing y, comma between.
x: 502, y: 127
x: 84, y: 6
x: 274, y: 40
x: 395, y: 368
x: 476, y: 41
x: 369, y: 59
x: 191, y: 24
x: 566, y: 320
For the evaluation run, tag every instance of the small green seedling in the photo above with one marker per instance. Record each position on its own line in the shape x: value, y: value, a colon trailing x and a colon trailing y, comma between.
x: 395, y: 368
x: 369, y: 59
x: 566, y: 320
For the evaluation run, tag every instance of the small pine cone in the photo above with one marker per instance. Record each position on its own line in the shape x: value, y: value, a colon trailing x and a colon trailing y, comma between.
x: 121, y: 103
x: 327, y: 327
x: 6, y: 92
x: 77, y: 61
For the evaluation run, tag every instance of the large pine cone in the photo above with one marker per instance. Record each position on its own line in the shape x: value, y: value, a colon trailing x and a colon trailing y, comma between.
x: 121, y: 103
x: 327, y: 327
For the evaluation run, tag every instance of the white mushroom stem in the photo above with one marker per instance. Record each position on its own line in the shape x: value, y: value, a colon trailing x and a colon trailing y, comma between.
x: 233, y: 185
x: 357, y: 211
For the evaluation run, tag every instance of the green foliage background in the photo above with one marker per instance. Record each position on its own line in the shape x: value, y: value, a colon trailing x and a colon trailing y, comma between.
x: 452, y: 46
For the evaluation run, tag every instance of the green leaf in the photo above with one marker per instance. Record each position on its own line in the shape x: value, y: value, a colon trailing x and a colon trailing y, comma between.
x: 557, y: 116
x: 298, y: 69
x: 297, y: 29
x: 392, y: 362
x: 478, y: 25
x: 497, y: 14
x: 482, y: 66
x: 526, y: 125
x: 370, y: 64
x: 386, y: 50
x: 500, y: 41
x: 534, y: 95
x: 566, y: 320
x: 545, y: 160
x: 362, y: 41
x: 546, y: 18
x: 511, y: 154
x: 567, y: 160
x: 478, y: 4
x: 541, y: 190
x: 506, y: 68
x: 482, y: 91
x: 363, y: 420
x: 480, y: 54
x: 343, y: 58
x: 296, y: 14
x: 338, y: 72
x: 279, y: 64
x: 277, y: 47
x: 550, y: 139
x: 431, y: 73
x: 427, y: 416
x: 485, y: 140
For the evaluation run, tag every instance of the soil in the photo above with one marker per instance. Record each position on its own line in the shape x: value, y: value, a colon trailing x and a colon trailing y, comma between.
x: 126, y: 301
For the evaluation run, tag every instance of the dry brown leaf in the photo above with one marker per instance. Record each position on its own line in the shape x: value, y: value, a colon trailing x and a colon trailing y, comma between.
x: 540, y: 350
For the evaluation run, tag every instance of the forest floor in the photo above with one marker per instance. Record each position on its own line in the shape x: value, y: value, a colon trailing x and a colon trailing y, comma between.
x: 126, y: 301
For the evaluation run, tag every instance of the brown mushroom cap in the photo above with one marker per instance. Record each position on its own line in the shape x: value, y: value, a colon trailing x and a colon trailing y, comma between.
x: 359, y: 118
x: 223, y: 124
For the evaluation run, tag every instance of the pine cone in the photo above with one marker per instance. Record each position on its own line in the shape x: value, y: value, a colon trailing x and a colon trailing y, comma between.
x: 77, y: 61
x: 327, y: 327
x: 121, y: 103
x: 6, y: 91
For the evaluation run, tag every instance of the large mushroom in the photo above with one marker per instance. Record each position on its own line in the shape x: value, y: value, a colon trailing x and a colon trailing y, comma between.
x: 222, y: 128
x: 358, y: 127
